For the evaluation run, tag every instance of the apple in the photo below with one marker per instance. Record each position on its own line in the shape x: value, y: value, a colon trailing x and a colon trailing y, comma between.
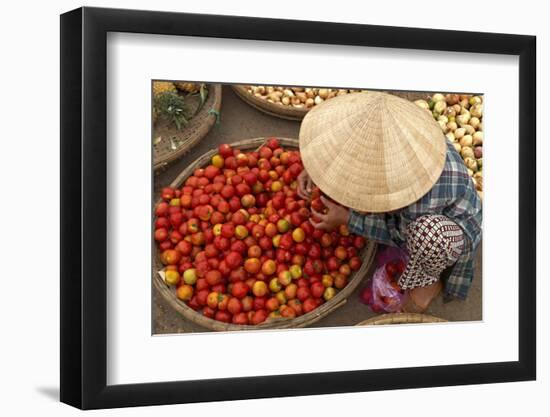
x: 259, y: 289
x: 341, y: 253
x: 302, y: 293
x: 170, y: 257
x: 241, y: 232
x: 233, y: 259
x: 317, y: 289
x: 340, y: 281
x: 217, y: 161
x: 298, y: 235
x: 329, y: 293
x: 296, y: 271
x: 184, y: 292
x: 269, y: 267
x: 327, y: 280
x: 259, y: 316
x: 272, y: 304
x: 285, y: 278
x: 239, y: 289
x: 190, y: 276
x: 252, y: 265
x: 161, y: 234
x: 227, y: 230
x: 309, y: 304
x: 213, y: 277
x: 223, y: 316
x: 172, y: 277
x: 248, y: 200
x: 227, y: 192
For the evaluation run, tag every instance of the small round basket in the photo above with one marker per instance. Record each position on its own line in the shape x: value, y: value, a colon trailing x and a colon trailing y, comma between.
x: 174, y: 143
x: 400, y: 318
x: 367, y: 256
x: 294, y: 113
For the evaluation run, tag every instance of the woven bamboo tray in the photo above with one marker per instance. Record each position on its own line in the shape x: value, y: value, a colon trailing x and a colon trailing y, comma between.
x: 307, y: 319
x: 197, y: 128
x: 293, y: 113
x: 400, y: 318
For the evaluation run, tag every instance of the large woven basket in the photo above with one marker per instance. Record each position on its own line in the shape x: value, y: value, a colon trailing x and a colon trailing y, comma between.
x: 307, y: 319
x: 400, y: 318
x: 293, y: 113
x: 197, y: 128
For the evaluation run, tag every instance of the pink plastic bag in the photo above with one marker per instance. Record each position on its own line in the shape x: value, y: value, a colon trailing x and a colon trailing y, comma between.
x: 382, y: 294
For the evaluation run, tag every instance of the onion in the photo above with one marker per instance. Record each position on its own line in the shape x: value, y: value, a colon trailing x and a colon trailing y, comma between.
x: 478, y: 152
x: 463, y: 119
x: 457, y: 146
x: 478, y: 138
x: 470, y: 172
x: 464, y: 103
x: 451, y: 137
x: 443, y: 119
x: 452, y: 126
x: 467, y: 140
x: 440, y: 106
x: 422, y: 103
x: 467, y: 152
x: 310, y: 102
x: 471, y: 163
x: 438, y: 97
x: 323, y: 93
x: 460, y: 132
x: 474, y: 122
x: 288, y: 93
x: 451, y: 99
x: 480, y: 163
x: 285, y: 101
x: 450, y: 111
x: 475, y: 100
x: 318, y: 100
x: 477, y: 110
x: 443, y: 125
x: 469, y: 130
x: 457, y: 108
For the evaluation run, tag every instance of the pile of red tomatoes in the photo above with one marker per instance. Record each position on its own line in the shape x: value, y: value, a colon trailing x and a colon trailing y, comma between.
x: 238, y: 244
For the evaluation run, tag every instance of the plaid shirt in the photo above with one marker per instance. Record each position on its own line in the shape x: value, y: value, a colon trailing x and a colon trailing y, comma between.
x: 453, y: 195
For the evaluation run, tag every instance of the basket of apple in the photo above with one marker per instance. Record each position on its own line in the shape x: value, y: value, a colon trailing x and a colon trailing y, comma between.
x: 236, y: 247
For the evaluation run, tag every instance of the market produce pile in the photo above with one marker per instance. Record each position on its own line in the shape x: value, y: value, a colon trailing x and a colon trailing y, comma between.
x: 170, y: 101
x: 297, y: 97
x: 461, y: 119
x: 237, y: 243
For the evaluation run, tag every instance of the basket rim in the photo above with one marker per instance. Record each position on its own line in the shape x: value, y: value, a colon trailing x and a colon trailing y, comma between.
x: 309, y: 318
x: 401, y: 318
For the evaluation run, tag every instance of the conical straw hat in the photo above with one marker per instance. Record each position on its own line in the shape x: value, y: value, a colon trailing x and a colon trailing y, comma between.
x: 372, y: 151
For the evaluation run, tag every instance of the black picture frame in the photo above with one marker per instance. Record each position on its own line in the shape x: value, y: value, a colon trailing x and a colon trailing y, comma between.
x: 84, y: 207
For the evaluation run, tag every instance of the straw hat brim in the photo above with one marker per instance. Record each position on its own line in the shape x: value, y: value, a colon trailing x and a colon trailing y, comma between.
x: 372, y: 151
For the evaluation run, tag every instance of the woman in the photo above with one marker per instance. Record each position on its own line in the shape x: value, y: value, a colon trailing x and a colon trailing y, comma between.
x: 398, y: 182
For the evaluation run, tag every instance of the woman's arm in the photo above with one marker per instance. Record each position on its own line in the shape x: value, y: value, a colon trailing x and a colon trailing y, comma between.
x: 371, y: 226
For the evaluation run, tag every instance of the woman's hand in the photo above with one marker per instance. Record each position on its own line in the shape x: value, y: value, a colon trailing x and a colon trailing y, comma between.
x: 335, y: 216
x: 305, y: 185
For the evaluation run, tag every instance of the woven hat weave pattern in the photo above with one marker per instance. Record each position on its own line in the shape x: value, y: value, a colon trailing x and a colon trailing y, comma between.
x: 372, y: 151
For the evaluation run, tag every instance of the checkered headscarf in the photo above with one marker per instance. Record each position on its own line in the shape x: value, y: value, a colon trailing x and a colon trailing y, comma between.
x: 434, y: 242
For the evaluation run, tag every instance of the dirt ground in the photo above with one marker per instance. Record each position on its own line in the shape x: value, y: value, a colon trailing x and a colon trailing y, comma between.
x: 240, y: 121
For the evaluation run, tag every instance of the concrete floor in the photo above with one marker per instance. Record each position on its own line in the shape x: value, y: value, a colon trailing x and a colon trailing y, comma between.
x: 240, y: 121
